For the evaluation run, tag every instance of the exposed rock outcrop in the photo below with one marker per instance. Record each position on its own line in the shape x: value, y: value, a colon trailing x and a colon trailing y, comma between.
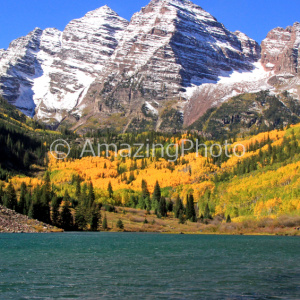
x: 12, y: 222
x: 280, y: 50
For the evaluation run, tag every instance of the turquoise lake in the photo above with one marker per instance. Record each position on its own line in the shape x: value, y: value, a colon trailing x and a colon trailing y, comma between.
x: 148, y: 266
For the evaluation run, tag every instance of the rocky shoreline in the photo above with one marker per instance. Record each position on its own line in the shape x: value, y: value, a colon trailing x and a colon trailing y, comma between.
x: 12, y: 222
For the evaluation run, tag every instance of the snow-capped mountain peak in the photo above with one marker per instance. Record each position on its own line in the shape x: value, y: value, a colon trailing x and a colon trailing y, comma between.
x: 46, y: 72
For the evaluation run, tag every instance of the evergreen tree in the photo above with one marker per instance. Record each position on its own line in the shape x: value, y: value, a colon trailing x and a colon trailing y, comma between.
x: 207, y: 214
x: 78, y: 188
x: 104, y: 223
x: 120, y: 224
x: 91, y: 195
x: 148, y: 204
x: 228, y: 220
x: 110, y: 190
x: 22, y: 200
x: 145, y: 191
x: 190, y: 209
x: 80, y: 217
x: 44, y: 207
x: 162, y: 207
x: 10, y: 197
x: 141, y: 203
x: 26, y: 160
x: 181, y: 217
x: 156, y: 196
x: 66, y: 219
x: 28, y: 202
x: 178, y: 207
x: 170, y: 206
x: 36, y: 209
x: 55, y: 211
x: 47, y: 187
x: 94, y: 220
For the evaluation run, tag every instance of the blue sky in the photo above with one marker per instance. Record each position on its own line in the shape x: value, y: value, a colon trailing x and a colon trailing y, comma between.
x: 253, y: 17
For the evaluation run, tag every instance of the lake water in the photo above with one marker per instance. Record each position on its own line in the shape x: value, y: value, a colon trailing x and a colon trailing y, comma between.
x: 148, y: 266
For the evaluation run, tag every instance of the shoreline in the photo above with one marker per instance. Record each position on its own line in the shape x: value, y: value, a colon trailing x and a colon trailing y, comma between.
x: 157, y: 232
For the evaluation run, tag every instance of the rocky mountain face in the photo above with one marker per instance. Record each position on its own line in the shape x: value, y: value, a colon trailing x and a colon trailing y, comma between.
x: 47, y: 72
x: 168, y: 46
x: 161, y: 70
x: 280, y: 50
x: 278, y: 70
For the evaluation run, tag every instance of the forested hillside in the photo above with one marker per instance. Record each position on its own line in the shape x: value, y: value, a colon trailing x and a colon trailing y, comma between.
x: 80, y: 193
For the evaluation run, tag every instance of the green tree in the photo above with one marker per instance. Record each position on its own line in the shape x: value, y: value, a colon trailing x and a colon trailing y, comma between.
x: 47, y: 186
x: 110, y: 190
x: 26, y: 160
x: 181, y: 217
x: 141, y: 203
x: 80, y: 217
x: 78, y: 188
x: 228, y: 219
x: 10, y: 197
x: 162, y: 207
x: 55, y: 211
x: 28, y: 202
x: 44, y: 207
x: 178, y: 207
x: 104, y: 223
x: 91, y: 196
x: 145, y: 191
x: 207, y: 214
x: 120, y: 224
x: 169, y: 206
x: 66, y: 219
x: 94, y: 220
x: 190, y: 209
x: 156, y: 196
x: 148, y: 204
x: 22, y: 200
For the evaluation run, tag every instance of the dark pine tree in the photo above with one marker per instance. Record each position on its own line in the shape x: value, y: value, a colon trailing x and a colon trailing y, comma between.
x: 162, y: 207
x: 81, y: 217
x: 207, y: 214
x: 169, y: 206
x: 156, y: 196
x: 110, y: 190
x: 91, y: 196
x: 104, y: 223
x: 181, y: 217
x: 178, y: 207
x: 66, y: 219
x: 145, y: 191
x: 44, y: 206
x: 120, y: 224
x: 94, y: 220
x: 10, y: 197
x: 28, y: 202
x: 55, y: 211
x: 228, y: 219
x: 78, y: 188
x: 190, y: 209
x: 22, y: 200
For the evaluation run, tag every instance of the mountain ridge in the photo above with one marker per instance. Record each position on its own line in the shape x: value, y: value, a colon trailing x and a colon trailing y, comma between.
x: 172, y: 55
